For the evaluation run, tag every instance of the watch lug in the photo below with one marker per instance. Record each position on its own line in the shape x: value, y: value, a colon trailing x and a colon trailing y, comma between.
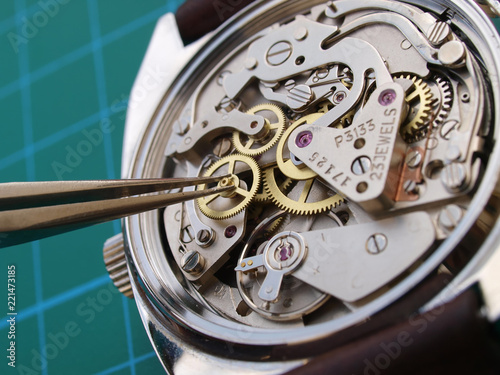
x: 165, y: 57
x: 482, y: 271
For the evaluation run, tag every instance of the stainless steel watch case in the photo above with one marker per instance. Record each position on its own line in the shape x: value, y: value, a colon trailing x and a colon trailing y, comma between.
x: 187, y: 334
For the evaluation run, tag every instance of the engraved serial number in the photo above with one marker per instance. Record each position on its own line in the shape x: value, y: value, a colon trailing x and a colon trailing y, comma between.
x: 330, y: 171
x: 355, y: 132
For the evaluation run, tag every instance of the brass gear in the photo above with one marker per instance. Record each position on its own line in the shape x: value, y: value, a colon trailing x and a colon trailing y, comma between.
x: 324, y: 107
x: 286, y: 166
x: 420, y: 99
x: 244, y: 144
x: 301, y: 206
x: 283, y: 184
x: 223, y: 206
x: 273, y: 228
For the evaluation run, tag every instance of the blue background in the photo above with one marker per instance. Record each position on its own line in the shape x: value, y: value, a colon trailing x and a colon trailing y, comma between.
x: 64, y: 70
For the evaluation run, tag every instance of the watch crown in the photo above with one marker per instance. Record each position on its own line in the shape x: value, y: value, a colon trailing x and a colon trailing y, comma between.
x: 116, y: 264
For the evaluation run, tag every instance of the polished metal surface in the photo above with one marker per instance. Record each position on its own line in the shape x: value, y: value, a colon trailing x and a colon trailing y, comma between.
x: 381, y: 172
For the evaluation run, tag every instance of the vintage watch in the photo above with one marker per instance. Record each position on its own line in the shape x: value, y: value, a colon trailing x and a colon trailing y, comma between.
x: 361, y: 236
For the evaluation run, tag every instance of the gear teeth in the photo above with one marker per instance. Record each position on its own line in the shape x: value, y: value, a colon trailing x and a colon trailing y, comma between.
x: 275, y: 226
x: 293, y: 207
x: 446, y: 100
x: 271, y: 142
x: 413, y: 128
x: 265, y: 197
x: 252, y: 191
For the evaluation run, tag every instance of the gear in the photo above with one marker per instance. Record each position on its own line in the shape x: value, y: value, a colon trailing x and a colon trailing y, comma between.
x: 443, y: 95
x: 324, y: 107
x: 306, y: 203
x: 283, y: 184
x: 253, y: 146
x: 420, y: 101
x: 273, y: 228
x: 287, y: 166
x: 223, y: 206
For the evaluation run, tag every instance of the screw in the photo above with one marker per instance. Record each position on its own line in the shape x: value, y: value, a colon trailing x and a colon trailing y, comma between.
x: 413, y: 158
x: 448, y: 128
x: 204, y: 238
x: 287, y: 302
x: 192, y: 262
x: 222, y: 147
x: 304, y: 139
x: 361, y: 165
x: 439, y: 33
x: 454, y: 177
x: 279, y: 53
x: 299, y: 97
x: 450, y: 216
x: 411, y: 187
x: 387, y: 97
x: 376, y: 243
x: 230, y: 231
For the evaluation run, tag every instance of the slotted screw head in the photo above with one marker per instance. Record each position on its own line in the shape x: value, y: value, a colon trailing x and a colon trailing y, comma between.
x: 376, y: 243
x: 193, y: 262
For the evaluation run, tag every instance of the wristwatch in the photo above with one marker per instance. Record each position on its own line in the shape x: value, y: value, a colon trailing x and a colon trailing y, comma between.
x: 360, y: 235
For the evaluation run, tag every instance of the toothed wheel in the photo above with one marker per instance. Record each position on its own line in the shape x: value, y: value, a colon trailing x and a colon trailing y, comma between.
x: 274, y: 127
x: 283, y: 184
x: 307, y: 197
x: 245, y: 175
x: 419, y: 98
x: 443, y: 98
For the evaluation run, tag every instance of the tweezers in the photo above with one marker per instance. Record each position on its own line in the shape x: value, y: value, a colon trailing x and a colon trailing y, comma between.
x: 33, y: 210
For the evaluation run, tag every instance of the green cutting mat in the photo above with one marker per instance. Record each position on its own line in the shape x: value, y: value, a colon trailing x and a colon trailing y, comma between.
x: 66, y: 70
x: 67, y: 67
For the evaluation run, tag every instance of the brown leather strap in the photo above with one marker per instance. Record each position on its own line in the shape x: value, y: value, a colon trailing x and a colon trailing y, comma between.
x: 452, y: 339
x: 195, y: 18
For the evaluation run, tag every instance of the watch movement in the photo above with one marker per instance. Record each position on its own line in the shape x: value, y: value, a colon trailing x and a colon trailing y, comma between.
x: 360, y: 141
